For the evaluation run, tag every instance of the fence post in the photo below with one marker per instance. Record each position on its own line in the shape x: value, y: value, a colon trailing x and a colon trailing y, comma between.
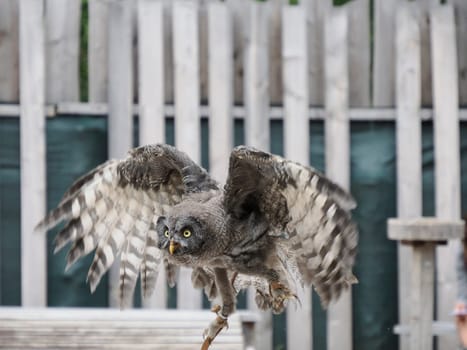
x: 33, y: 157
x: 337, y: 150
x: 9, y: 51
x: 120, y: 131
x: 296, y: 144
x: 447, y: 151
x: 187, y: 116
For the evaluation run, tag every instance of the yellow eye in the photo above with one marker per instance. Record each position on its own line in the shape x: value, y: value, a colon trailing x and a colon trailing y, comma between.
x: 186, y: 233
x: 166, y: 233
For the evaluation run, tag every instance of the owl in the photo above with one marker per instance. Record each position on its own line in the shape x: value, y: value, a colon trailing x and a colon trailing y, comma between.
x: 275, y: 226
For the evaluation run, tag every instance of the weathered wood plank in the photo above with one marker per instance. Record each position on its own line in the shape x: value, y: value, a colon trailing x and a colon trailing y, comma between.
x: 62, y: 50
x: 460, y: 9
x: 447, y: 152
x: 120, y: 89
x: 187, y: 116
x: 98, y: 50
x: 256, y: 100
x: 33, y: 157
x: 383, y: 53
x: 337, y: 144
x: 409, y: 146
x: 9, y: 52
x: 151, y: 99
x: 296, y: 142
x: 220, y: 57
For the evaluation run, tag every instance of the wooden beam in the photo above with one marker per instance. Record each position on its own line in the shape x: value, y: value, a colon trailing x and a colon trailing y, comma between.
x: 33, y: 152
x: 187, y: 115
x: 447, y: 152
x: 120, y: 132
x: 220, y: 57
x: 337, y: 145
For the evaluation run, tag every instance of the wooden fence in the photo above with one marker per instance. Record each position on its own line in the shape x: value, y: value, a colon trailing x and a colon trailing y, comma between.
x: 251, y: 60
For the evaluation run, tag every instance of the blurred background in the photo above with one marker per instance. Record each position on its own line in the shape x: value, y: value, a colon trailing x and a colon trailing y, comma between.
x: 362, y: 90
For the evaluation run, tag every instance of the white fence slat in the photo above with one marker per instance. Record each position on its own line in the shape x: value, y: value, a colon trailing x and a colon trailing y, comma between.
x: 256, y: 98
x: 151, y: 69
x: 33, y: 152
x: 383, y: 52
x: 62, y: 45
x: 120, y: 89
x: 460, y: 10
x: 447, y: 152
x: 98, y: 50
x: 151, y: 100
x: 337, y: 145
x: 409, y: 143
x: 424, y: 22
x: 220, y: 57
x: 359, y: 53
x: 187, y: 116
x: 296, y: 143
x: 9, y: 51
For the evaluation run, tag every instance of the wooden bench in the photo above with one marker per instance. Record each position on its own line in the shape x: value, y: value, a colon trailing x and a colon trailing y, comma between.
x: 78, y: 328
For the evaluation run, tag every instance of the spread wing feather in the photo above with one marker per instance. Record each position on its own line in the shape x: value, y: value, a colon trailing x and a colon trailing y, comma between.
x: 113, y: 208
x: 297, y: 200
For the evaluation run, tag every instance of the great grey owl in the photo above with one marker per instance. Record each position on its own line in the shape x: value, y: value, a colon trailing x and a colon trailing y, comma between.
x: 276, y: 225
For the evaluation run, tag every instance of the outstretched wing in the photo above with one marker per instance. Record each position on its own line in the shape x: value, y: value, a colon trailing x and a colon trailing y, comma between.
x: 114, y: 207
x: 297, y: 200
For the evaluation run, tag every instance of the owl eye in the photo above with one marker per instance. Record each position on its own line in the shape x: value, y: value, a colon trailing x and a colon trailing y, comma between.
x: 186, y: 233
x: 166, y: 233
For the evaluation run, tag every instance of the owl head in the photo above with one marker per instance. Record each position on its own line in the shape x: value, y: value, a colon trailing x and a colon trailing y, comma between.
x: 180, y: 235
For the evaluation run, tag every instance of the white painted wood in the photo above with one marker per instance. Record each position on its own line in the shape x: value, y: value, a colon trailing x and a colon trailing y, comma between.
x: 120, y: 121
x: 256, y: 98
x: 98, y: 50
x: 409, y: 144
x: 9, y: 51
x: 437, y: 328
x: 460, y: 11
x: 98, y: 11
x: 296, y: 143
x: 33, y: 152
x: 220, y: 57
x: 187, y: 115
x: 151, y: 100
x: 447, y: 152
x: 337, y: 146
x: 359, y: 54
x: 427, y: 229
x: 424, y: 23
x: 422, y: 296
x: 62, y: 49
x: 383, y: 53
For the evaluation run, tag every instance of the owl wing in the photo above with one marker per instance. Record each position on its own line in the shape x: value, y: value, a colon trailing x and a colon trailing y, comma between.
x: 301, y: 204
x: 114, y: 207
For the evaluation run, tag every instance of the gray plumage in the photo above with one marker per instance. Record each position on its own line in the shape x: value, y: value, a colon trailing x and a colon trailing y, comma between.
x: 275, y: 225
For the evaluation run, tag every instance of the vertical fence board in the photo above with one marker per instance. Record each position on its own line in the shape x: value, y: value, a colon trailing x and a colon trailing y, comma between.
x: 383, y: 53
x: 187, y: 117
x: 447, y: 157
x: 409, y: 143
x: 256, y: 97
x: 97, y: 50
x: 9, y: 53
x: 220, y: 57
x: 296, y: 142
x: 151, y: 99
x: 62, y: 42
x: 120, y: 91
x: 460, y: 8
x: 337, y: 144
x: 33, y: 161
x: 316, y: 10
x: 359, y: 53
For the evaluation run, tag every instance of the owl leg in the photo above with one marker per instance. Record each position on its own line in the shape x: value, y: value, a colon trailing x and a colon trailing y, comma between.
x: 226, y: 292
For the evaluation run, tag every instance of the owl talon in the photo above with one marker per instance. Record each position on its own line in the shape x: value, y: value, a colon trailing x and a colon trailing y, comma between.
x: 281, y: 296
x: 214, y: 328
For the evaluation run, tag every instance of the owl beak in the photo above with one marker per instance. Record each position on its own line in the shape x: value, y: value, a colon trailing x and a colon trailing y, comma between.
x: 173, y: 246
